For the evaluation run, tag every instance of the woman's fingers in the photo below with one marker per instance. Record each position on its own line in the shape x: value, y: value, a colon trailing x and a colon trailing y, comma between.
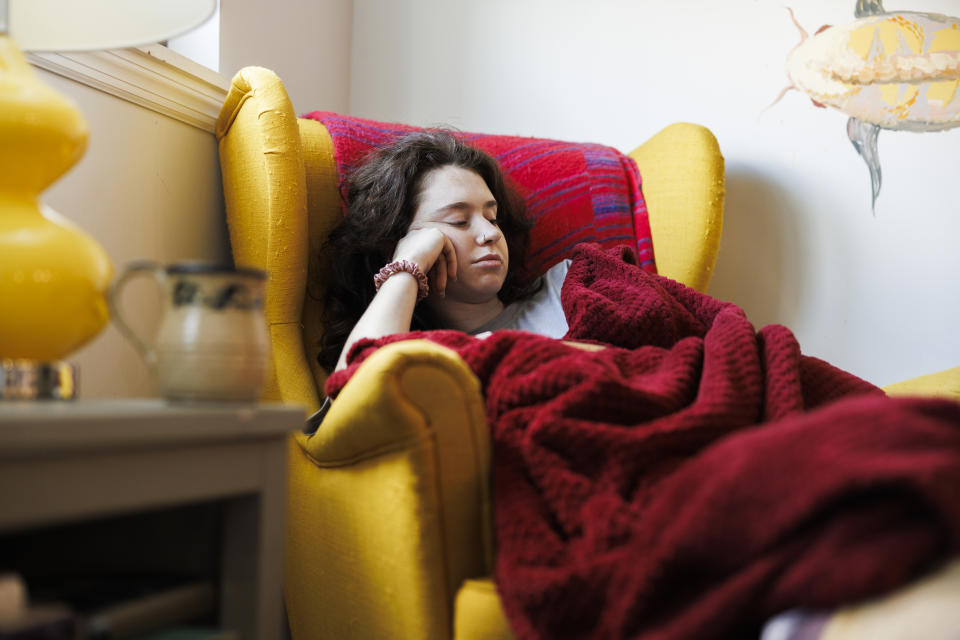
x: 422, y: 246
x: 440, y: 277
x: 434, y: 254
x: 450, y: 256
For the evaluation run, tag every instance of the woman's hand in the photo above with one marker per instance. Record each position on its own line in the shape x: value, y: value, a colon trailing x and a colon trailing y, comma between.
x: 432, y: 252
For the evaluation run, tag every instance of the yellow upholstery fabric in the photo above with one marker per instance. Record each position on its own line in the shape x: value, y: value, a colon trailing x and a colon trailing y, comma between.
x: 683, y: 176
x: 323, y: 214
x: 389, y: 501
x: 944, y: 384
x: 478, y: 614
x: 388, y: 518
x: 266, y: 200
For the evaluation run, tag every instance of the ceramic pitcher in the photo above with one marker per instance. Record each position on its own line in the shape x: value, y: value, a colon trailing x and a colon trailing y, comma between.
x: 212, y: 342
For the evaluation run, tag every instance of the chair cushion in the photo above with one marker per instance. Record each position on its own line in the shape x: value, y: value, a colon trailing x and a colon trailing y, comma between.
x: 576, y: 192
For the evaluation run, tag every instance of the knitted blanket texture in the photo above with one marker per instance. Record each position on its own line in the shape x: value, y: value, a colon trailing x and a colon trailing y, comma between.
x: 697, y: 476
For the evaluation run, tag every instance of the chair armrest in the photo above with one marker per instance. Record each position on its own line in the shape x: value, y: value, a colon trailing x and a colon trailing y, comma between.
x: 945, y: 384
x: 389, y: 506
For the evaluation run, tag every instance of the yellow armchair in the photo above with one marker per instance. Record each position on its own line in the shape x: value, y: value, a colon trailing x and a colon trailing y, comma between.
x: 389, y: 526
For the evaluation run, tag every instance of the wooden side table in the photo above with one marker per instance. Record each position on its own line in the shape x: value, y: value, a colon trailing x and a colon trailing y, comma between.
x: 64, y: 462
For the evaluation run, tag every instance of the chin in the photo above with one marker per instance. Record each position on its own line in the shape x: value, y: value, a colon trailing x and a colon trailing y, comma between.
x: 475, y: 295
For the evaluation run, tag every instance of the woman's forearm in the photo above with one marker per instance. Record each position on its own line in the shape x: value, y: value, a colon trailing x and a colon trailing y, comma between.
x: 390, y: 312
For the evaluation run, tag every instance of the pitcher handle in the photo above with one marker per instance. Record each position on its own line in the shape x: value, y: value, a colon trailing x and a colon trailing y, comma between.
x: 141, y: 267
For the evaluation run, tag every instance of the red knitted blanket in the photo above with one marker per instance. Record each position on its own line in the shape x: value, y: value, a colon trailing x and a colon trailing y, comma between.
x: 575, y: 192
x: 700, y: 476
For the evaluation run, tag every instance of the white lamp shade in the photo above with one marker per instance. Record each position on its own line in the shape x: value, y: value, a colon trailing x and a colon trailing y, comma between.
x: 83, y: 25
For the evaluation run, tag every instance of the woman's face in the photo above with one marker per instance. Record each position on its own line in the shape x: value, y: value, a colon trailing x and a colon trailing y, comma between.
x: 458, y: 202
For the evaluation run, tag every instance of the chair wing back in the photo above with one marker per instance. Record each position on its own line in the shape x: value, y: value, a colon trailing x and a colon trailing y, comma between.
x: 683, y: 183
x: 323, y: 213
x: 264, y: 185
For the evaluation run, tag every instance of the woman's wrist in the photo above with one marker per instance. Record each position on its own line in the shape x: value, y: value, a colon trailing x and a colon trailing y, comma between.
x: 403, y: 266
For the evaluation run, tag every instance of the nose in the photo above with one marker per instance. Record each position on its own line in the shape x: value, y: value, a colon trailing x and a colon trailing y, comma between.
x: 488, y: 233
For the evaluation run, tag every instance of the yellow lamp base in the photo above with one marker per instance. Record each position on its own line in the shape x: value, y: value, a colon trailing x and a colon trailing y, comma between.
x: 53, y: 276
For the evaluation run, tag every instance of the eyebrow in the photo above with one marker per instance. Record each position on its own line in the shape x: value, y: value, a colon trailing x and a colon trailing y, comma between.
x: 462, y: 206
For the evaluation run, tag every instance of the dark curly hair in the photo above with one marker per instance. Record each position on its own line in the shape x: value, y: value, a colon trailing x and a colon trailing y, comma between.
x: 382, y: 196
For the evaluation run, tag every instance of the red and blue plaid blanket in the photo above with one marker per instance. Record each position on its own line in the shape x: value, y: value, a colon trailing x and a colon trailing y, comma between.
x: 575, y: 192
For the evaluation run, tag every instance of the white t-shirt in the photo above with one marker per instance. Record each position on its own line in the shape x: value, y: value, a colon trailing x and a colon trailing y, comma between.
x: 542, y: 313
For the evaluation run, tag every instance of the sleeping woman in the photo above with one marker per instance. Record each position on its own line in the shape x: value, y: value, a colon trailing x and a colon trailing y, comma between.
x: 433, y: 238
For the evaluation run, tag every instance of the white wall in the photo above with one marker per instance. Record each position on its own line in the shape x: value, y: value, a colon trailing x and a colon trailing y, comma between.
x: 878, y: 295
x: 148, y: 187
x: 306, y: 42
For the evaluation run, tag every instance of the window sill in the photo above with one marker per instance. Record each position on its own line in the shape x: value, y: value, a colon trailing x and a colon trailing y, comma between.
x: 152, y: 76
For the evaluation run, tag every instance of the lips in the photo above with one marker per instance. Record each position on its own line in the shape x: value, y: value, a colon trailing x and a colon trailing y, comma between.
x: 488, y: 260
